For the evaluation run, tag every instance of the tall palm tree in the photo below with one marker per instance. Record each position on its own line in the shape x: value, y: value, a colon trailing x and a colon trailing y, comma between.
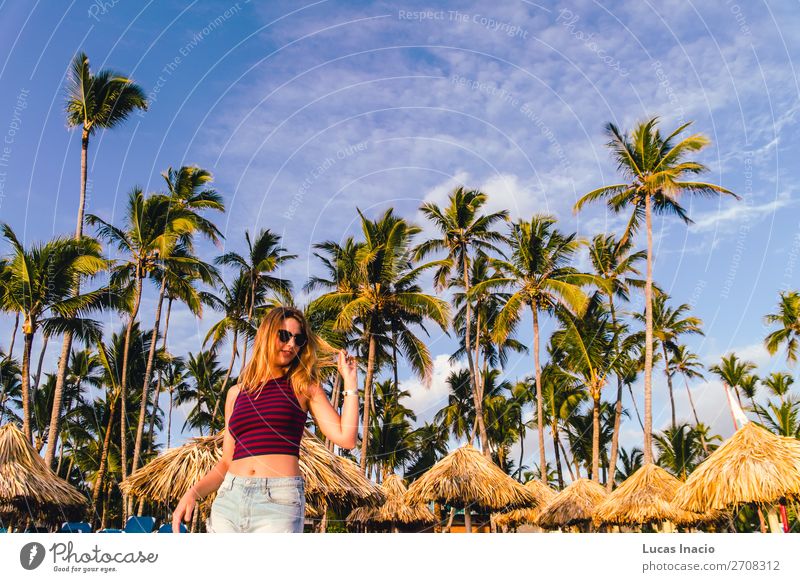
x: 153, y: 226
x: 265, y: 255
x: 788, y: 320
x: 588, y: 349
x: 203, y: 392
x: 541, y: 278
x: 11, y: 386
x: 668, y: 325
x: 732, y: 371
x: 392, y: 440
x: 656, y: 169
x: 688, y: 365
x: 430, y: 445
x: 464, y: 232
x: 614, y: 263
x: 101, y: 100
x: 384, y: 272
x: 40, y: 285
x: 458, y: 415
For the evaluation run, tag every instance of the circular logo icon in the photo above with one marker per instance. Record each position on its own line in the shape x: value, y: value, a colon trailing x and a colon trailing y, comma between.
x: 31, y: 555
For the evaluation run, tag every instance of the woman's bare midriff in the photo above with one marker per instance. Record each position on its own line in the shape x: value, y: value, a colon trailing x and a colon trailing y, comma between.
x: 266, y: 466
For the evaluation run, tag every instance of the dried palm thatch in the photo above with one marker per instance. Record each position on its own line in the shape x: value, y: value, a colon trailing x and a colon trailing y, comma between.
x: 753, y: 466
x: 28, y: 487
x: 644, y: 497
x: 465, y: 477
x: 572, y: 506
x: 328, y: 478
x: 395, y: 510
x: 527, y: 515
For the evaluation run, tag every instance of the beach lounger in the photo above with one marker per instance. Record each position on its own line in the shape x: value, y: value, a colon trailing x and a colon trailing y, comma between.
x: 75, y: 527
x: 167, y: 528
x: 140, y: 524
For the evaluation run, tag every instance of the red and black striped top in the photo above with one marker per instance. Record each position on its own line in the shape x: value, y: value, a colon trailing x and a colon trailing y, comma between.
x: 272, y: 423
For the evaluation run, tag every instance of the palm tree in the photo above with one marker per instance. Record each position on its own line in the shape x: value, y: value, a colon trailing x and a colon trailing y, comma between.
x: 430, y: 445
x: 788, y: 319
x: 614, y: 263
x: 384, y: 272
x: 458, y: 416
x: 679, y: 450
x: 688, y: 365
x: 203, y: 392
x: 11, y: 384
x: 668, y: 325
x: 732, y: 371
x: 631, y: 462
x: 264, y: 256
x: 174, y: 377
x: 463, y: 231
x: 40, y: 284
x: 392, y: 440
x: 779, y: 383
x: 541, y: 278
x: 656, y: 169
x: 102, y: 100
x: 588, y: 349
x: 153, y: 226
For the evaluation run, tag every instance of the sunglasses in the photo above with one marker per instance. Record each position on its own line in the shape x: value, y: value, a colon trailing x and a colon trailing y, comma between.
x: 300, y: 339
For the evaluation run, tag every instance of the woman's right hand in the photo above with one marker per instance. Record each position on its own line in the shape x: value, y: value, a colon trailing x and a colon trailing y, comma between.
x: 184, y: 510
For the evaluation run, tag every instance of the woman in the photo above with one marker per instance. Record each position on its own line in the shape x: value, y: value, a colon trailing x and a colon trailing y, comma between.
x: 258, y: 481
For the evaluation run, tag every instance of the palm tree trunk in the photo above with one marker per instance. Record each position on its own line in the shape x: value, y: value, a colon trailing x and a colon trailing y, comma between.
x: 123, y: 389
x: 66, y: 346
x: 554, y: 431
x: 648, y: 337
x: 479, y: 382
x: 539, y: 398
x: 669, y: 383
x: 467, y: 520
x: 468, y: 349
x: 45, y: 341
x: 596, y: 435
x: 169, y: 417
x: 26, y: 384
x: 566, y: 459
x: 367, y: 399
x: 58, y: 394
x: 98, y: 482
x: 694, y: 412
x: 521, y: 446
x: 148, y: 371
x: 227, y: 375
x: 612, y: 462
x: 13, y: 335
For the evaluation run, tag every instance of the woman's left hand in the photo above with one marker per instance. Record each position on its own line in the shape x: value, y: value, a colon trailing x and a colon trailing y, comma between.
x: 348, y: 367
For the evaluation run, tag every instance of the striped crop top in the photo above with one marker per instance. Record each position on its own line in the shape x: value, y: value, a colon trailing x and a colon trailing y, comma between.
x: 271, y: 423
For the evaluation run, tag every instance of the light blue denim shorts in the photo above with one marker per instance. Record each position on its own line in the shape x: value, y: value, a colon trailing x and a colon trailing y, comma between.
x: 258, y: 504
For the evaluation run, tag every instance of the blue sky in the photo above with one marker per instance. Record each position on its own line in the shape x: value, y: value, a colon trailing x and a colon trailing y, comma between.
x: 304, y: 112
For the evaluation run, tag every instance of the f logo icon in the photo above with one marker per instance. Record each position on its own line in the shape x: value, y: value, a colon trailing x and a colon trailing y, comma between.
x: 31, y: 555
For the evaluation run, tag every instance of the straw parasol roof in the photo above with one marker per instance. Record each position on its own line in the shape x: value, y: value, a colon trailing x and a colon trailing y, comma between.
x: 753, y: 466
x: 328, y: 478
x: 573, y: 505
x: 644, y: 497
x: 28, y: 486
x: 466, y: 477
x: 527, y: 515
x: 395, y: 510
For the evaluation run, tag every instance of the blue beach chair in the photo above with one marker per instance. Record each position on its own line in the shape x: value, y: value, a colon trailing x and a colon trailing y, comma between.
x: 110, y: 530
x: 75, y: 527
x: 140, y: 524
x: 167, y: 528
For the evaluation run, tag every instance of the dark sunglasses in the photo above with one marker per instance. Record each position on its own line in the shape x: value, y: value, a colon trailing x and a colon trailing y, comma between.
x: 300, y: 339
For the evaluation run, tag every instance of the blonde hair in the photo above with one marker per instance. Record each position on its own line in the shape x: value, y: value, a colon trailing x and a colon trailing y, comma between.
x: 304, y: 371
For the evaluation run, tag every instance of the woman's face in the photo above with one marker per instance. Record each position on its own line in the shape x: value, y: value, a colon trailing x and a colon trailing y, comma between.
x: 288, y: 351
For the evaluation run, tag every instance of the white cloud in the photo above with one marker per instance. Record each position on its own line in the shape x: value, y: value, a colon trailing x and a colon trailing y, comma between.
x: 425, y: 402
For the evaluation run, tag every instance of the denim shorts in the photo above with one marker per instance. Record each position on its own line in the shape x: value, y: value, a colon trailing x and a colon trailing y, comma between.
x: 258, y: 504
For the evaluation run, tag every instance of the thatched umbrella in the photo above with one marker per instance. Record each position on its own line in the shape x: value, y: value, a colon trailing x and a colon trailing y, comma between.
x: 573, y: 506
x: 527, y: 515
x: 329, y: 479
x: 465, y: 477
x: 645, y: 497
x: 29, y: 487
x: 395, y: 510
x: 753, y: 466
